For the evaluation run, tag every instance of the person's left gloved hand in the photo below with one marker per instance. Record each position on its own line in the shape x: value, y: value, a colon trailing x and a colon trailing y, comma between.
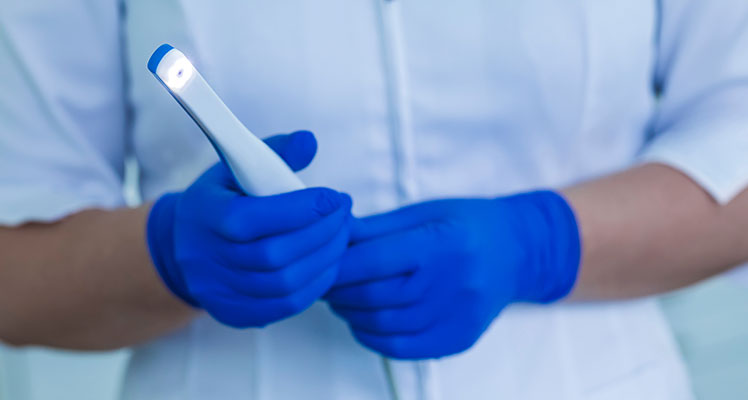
x: 426, y: 281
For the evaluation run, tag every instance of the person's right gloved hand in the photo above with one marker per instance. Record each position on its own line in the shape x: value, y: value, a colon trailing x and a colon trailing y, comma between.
x: 250, y: 261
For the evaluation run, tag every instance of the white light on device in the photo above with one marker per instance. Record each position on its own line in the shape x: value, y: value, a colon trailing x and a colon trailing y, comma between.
x: 256, y: 167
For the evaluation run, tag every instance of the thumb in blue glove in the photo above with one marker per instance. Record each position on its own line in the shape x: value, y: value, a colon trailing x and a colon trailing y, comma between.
x: 250, y: 261
x: 427, y: 280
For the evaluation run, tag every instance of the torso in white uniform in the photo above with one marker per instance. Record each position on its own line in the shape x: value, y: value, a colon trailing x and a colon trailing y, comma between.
x: 411, y: 100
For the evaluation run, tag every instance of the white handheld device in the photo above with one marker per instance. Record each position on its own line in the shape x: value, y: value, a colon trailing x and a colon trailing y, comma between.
x: 257, y: 168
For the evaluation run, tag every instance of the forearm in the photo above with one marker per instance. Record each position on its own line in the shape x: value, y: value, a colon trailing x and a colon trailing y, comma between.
x: 652, y: 229
x: 85, y: 282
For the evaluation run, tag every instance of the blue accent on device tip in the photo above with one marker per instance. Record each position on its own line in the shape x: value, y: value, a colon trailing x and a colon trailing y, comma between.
x: 157, y: 56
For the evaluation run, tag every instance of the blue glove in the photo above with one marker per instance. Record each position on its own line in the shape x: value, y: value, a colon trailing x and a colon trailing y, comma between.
x: 250, y: 261
x: 427, y: 280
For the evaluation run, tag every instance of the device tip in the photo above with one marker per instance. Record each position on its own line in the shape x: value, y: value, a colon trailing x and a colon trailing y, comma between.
x: 157, y: 56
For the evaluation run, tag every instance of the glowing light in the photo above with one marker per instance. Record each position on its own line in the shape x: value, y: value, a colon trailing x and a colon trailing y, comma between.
x: 179, y: 73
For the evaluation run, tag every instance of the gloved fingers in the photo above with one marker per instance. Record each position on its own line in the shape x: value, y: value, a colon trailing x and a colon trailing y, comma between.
x: 386, y: 256
x: 242, y: 312
x: 398, y: 291
x: 250, y: 218
x: 277, y: 252
x: 288, y: 280
x: 392, y: 321
x: 297, y: 149
x: 444, y: 339
x: 398, y: 220
x: 220, y: 178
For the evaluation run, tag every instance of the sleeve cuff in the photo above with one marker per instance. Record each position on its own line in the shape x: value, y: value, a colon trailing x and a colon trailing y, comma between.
x: 46, y: 205
x: 716, y: 159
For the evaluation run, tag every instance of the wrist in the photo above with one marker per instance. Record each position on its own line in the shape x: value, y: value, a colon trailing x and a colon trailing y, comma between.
x: 548, y: 229
x: 160, y: 238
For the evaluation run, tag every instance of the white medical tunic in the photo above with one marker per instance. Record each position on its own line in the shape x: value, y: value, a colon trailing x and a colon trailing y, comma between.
x: 410, y: 100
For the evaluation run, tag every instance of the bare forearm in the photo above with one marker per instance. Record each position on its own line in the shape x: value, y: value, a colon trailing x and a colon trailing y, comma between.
x: 85, y: 282
x: 651, y: 229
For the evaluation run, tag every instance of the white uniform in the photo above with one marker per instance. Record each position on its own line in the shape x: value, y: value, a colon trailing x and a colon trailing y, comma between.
x: 410, y: 100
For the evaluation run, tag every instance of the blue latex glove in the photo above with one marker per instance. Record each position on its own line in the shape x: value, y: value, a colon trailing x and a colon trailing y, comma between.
x: 250, y: 261
x: 427, y: 280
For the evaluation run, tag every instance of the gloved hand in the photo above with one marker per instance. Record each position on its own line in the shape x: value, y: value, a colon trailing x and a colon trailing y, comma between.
x: 250, y: 261
x: 426, y: 280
